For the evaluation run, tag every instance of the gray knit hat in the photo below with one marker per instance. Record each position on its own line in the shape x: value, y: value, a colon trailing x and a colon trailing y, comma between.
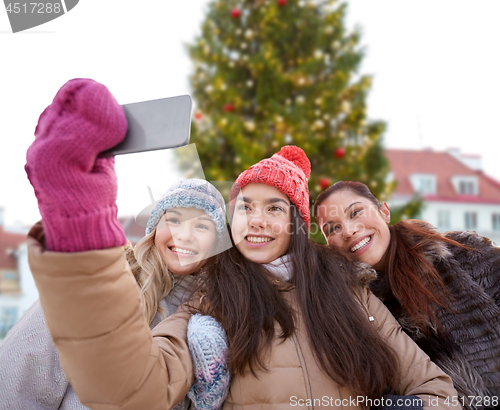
x: 191, y: 193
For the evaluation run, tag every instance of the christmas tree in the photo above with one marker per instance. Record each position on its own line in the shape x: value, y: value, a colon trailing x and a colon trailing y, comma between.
x: 269, y: 73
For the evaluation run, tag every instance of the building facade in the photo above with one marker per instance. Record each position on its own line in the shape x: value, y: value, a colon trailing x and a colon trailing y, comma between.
x: 17, y: 288
x: 457, y: 195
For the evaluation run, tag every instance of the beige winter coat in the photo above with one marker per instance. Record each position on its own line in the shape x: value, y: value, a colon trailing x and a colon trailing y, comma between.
x: 93, y: 310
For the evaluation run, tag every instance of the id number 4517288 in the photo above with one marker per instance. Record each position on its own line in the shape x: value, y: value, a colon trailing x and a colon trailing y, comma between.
x: 472, y: 401
x: 34, y: 8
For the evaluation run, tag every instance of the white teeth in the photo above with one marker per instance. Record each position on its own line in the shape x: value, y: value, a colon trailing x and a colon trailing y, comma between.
x: 258, y: 239
x: 361, y: 244
x: 179, y: 250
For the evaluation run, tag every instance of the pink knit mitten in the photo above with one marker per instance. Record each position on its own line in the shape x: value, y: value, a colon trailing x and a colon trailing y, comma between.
x: 76, y: 191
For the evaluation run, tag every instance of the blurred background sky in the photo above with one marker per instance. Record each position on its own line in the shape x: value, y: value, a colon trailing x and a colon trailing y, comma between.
x: 436, y: 78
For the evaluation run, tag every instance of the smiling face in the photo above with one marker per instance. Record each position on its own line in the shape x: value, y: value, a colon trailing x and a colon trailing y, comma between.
x: 355, y: 224
x: 185, y: 238
x: 261, y: 223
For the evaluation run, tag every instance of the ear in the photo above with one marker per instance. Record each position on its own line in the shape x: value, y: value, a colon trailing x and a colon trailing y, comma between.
x: 386, y: 213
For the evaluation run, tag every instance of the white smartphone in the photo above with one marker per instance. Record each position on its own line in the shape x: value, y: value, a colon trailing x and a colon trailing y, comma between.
x: 154, y: 125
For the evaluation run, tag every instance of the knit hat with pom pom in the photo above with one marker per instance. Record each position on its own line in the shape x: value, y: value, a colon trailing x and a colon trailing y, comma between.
x: 286, y: 170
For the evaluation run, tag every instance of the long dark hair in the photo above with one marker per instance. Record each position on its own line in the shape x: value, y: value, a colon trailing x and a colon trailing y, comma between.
x: 245, y: 298
x: 413, y: 278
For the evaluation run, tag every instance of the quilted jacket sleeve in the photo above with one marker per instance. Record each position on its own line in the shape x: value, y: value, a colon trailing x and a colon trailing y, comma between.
x: 93, y: 310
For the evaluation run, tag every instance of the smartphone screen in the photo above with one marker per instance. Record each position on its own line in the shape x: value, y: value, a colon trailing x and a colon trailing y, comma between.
x: 155, y: 124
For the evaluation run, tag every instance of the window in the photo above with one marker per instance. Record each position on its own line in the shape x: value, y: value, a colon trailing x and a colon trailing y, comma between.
x: 466, y: 188
x: 424, y: 184
x: 465, y: 185
x: 444, y: 219
x: 470, y: 220
x: 8, y: 316
x: 495, y: 219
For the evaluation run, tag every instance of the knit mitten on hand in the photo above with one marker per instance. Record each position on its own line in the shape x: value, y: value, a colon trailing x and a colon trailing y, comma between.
x: 76, y: 190
x: 208, y: 346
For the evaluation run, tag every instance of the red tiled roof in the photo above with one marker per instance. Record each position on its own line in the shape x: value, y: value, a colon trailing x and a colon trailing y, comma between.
x: 404, y: 163
x: 9, y: 242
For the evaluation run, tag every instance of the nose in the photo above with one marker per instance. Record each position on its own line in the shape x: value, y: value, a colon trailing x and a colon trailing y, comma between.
x: 349, y: 230
x: 184, y: 234
x: 257, y: 220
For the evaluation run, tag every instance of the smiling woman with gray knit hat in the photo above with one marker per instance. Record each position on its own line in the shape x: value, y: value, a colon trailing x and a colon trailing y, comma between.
x: 184, y: 230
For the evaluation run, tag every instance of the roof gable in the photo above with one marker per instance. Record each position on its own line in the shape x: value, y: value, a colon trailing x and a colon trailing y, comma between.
x: 444, y: 166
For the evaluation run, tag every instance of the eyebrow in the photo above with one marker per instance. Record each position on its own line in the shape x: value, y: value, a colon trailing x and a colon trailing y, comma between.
x: 206, y: 219
x: 199, y: 217
x: 267, y: 201
x: 350, y: 206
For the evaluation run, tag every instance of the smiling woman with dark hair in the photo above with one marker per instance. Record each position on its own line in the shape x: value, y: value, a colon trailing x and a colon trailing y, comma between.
x: 443, y: 289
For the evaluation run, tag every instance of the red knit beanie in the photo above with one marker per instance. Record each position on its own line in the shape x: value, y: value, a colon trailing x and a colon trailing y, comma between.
x: 286, y: 170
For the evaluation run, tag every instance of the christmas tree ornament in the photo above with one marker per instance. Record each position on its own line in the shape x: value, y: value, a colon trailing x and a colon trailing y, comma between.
x: 281, y: 3
x: 345, y: 107
x: 249, y: 126
x: 340, y: 152
x: 235, y: 13
x: 229, y: 107
x: 324, y: 183
x: 318, y: 124
x: 198, y: 115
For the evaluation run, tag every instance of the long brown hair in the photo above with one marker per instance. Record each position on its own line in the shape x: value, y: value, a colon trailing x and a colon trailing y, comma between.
x: 244, y: 297
x: 413, y: 278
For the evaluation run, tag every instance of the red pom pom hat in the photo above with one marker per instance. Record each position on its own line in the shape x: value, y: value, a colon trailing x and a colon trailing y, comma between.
x: 286, y: 170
